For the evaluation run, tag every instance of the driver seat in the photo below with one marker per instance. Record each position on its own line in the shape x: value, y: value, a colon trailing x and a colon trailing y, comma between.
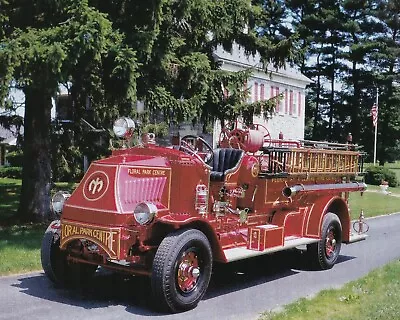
x: 225, y: 160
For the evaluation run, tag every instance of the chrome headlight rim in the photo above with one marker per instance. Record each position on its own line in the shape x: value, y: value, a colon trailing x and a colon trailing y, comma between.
x: 58, y: 200
x: 145, y: 212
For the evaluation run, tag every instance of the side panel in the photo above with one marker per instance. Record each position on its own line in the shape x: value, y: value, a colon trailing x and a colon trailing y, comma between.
x: 96, y: 191
x: 291, y: 221
x: 187, y: 174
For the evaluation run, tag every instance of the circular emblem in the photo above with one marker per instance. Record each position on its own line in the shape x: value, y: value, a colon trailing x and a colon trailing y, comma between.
x: 255, y: 169
x: 95, y: 186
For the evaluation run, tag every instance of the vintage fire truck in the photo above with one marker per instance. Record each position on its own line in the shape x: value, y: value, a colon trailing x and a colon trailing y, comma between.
x: 170, y: 212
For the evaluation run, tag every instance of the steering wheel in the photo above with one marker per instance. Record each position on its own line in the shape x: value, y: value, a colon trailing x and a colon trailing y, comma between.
x: 195, y: 145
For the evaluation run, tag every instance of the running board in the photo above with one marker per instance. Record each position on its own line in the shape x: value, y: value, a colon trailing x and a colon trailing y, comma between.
x: 356, y: 237
x: 235, y: 254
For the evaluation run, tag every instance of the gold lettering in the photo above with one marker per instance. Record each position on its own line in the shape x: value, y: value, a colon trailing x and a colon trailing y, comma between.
x: 146, y: 171
x: 107, y: 238
x: 112, y: 240
x: 133, y: 171
x: 156, y: 172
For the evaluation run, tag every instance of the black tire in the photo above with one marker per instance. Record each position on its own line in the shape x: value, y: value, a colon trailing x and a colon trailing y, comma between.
x: 325, y: 252
x: 181, y: 270
x: 55, y: 264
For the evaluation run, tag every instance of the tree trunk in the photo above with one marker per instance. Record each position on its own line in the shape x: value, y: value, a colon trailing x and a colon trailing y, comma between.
x: 34, y: 203
x: 316, y: 112
x: 355, y: 103
x: 332, y: 96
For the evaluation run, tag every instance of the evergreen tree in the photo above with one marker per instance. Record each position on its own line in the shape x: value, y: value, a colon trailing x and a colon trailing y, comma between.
x: 179, y: 76
x: 44, y: 45
x: 386, y: 64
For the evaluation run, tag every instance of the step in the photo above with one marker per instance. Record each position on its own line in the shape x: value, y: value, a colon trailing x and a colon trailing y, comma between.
x: 241, y: 253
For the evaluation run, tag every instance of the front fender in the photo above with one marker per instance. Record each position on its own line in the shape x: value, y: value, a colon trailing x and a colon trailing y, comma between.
x: 185, y: 221
x: 322, y: 206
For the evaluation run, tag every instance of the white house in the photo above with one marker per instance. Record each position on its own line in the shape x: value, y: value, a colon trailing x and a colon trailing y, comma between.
x: 290, y: 117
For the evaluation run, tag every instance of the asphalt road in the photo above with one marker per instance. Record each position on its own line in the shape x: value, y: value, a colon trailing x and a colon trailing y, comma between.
x: 241, y: 290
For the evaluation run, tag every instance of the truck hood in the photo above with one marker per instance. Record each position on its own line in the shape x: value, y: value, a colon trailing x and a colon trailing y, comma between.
x: 116, y: 185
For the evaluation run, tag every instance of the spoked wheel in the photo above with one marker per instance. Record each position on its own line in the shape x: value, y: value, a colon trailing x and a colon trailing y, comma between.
x: 181, y: 270
x: 325, y: 252
x: 330, y: 243
x: 55, y: 264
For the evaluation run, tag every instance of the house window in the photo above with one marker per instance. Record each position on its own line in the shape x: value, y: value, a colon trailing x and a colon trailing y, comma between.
x: 262, y: 92
x: 286, y: 101
x: 291, y: 102
x: 281, y: 103
x: 256, y: 97
x: 294, y: 108
x: 299, y: 104
x: 275, y: 93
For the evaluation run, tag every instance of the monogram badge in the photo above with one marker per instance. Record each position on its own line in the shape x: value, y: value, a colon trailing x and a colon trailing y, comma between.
x: 95, y: 186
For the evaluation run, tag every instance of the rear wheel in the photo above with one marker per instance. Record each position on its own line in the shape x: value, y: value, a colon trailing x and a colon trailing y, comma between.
x: 55, y: 264
x: 325, y: 252
x: 181, y: 270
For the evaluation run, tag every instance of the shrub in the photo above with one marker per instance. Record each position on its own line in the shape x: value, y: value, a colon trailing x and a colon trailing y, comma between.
x: 15, y: 158
x: 11, y: 172
x: 375, y: 174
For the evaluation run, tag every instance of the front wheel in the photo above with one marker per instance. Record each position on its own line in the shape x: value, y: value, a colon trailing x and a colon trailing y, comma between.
x: 325, y: 252
x: 181, y: 270
x: 55, y: 264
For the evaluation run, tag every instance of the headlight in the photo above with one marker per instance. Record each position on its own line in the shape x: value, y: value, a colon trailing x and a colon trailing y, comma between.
x: 144, y: 212
x: 58, y: 200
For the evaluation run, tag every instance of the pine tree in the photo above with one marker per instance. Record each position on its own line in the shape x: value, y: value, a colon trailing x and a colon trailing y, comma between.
x: 386, y: 61
x: 43, y: 46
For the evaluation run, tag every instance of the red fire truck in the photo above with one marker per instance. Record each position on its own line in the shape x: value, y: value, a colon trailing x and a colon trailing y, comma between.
x: 170, y: 212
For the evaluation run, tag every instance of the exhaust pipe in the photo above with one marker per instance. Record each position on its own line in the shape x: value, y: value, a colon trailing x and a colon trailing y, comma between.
x: 324, y: 188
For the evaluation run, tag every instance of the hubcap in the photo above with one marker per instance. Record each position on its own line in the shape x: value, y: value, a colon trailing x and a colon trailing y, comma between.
x: 188, y: 272
x: 330, y: 244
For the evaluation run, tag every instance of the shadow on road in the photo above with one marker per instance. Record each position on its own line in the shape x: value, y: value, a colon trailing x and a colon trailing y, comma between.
x: 108, y: 289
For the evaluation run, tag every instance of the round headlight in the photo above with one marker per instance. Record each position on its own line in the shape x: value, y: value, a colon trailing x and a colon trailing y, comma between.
x: 124, y: 127
x: 144, y: 212
x: 58, y: 200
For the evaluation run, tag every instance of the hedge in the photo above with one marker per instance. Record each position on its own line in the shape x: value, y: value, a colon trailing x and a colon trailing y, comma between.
x: 376, y: 174
x: 11, y: 172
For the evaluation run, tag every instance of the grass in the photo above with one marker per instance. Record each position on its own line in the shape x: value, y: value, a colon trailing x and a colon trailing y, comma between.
x: 19, y: 243
x: 9, y: 193
x: 376, y: 296
x: 374, y: 203
x: 20, y: 248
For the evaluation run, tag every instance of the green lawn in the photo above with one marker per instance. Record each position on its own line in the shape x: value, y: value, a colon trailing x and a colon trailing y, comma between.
x: 20, y: 248
x: 9, y: 192
x: 376, y: 296
x: 374, y: 203
x: 19, y: 244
